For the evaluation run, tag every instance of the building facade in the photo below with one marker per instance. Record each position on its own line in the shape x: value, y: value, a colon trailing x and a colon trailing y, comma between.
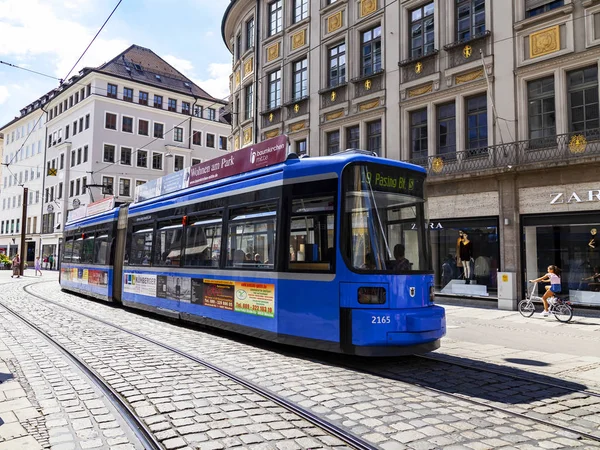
x: 23, y: 165
x: 498, y: 99
x: 112, y: 128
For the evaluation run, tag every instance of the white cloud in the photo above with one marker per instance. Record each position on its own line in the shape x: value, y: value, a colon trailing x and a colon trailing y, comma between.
x: 3, y: 94
x: 183, y: 65
x: 217, y: 84
x: 39, y: 28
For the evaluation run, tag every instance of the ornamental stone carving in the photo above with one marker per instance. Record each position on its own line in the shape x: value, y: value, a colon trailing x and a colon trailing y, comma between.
x: 273, y: 52
x: 544, y: 42
x: 298, y: 39
x: 367, y: 7
x: 334, y: 22
x: 469, y: 76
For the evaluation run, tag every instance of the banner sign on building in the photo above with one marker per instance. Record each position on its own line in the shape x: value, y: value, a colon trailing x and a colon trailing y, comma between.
x: 264, y: 154
x: 106, y: 204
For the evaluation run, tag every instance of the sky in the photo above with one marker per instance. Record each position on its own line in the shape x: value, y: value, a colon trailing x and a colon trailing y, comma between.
x: 49, y: 36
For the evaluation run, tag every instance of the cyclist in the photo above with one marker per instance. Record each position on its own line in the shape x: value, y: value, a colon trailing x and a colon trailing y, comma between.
x: 553, y: 276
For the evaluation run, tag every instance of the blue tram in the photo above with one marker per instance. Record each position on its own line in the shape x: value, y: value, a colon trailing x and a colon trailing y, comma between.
x: 328, y: 253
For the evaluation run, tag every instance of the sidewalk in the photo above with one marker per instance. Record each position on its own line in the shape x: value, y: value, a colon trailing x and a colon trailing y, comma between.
x: 536, y: 344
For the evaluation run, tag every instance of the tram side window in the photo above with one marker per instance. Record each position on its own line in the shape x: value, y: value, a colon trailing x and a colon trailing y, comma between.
x: 312, y: 234
x: 77, y: 247
x: 251, y: 239
x: 68, y: 251
x: 100, y: 249
x: 87, y: 251
x: 203, y: 241
x: 167, y: 244
x: 141, y: 245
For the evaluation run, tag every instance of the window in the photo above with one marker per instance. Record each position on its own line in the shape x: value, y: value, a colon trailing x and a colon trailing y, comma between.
x: 238, y: 46
x: 77, y: 96
x: 178, y: 163
x: 79, y: 155
x: 370, y: 62
x: 300, y: 76
x: 127, y: 126
x: 248, y: 102
x: 541, y: 111
x: 211, y: 114
x: 110, y: 123
x: 126, y: 156
x: 143, y: 98
x: 75, y: 125
x: 157, y: 160
x: 374, y: 137
x: 353, y: 137
x: 185, y: 108
x: 203, y: 240
x: 421, y: 31
x: 583, y: 99
x: 337, y: 65
x: 167, y: 243
x: 275, y: 17
x: 158, y: 101
x: 143, y: 127
x: 87, y: 121
x: 250, y: 34
x: 60, y: 190
x: 222, y: 143
x: 108, y: 185
x: 196, y: 161
x: 85, y: 153
x: 124, y: 187
x: 128, y: 94
x: 139, y: 182
x: 252, y: 237
x: 197, y: 137
x: 198, y: 111
x: 172, y: 105
x: 141, y: 245
x: 446, y: 129
x: 477, y: 122
x: 210, y: 140
x: 535, y: 7
x: 333, y: 142
x: 312, y: 234
x: 301, y: 147
x: 470, y: 18
x: 418, y: 134
x: 71, y: 190
x: 62, y: 162
x: 81, y: 124
x: 109, y: 153
x: 111, y: 92
x: 142, y: 158
x: 158, y: 130
x: 83, y: 184
x: 274, y: 94
x: 101, y: 248
x: 178, y: 134
x: 300, y: 10
x: 77, y: 187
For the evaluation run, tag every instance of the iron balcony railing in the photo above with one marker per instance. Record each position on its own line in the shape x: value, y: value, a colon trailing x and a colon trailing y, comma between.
x: 560, y: 148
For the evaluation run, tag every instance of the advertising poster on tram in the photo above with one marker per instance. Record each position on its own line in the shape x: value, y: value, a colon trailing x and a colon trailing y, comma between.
x: 140, y: 284
x: 255, y: 298
x: 94, y: 277
x: 213, y: 293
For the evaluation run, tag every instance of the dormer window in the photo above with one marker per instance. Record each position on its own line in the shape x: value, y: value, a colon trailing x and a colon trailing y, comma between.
x: 138, y: 67
x: 158, y: 77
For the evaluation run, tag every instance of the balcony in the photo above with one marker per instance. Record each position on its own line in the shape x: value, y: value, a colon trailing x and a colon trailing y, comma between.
x: 467, y: 50
x: 563, y: 149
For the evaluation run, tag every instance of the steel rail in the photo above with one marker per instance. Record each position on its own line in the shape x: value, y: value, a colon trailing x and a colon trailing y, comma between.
x: 334, y: 430
x: 141, y: 431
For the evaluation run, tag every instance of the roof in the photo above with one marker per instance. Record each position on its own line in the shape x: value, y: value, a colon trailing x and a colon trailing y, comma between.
x: 143, y: 65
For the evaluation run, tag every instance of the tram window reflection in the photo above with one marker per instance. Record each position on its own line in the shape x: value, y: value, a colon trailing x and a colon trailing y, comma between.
x: 100, y: 249
x: 68, y: 251
x: 87, y: 251
x: 203, y: 241
x: 77, y: 246
x: 167, y: 245
x: 141, y: 246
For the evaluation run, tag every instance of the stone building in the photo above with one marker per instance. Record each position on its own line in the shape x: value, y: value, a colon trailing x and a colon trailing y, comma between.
x: 498, y: 99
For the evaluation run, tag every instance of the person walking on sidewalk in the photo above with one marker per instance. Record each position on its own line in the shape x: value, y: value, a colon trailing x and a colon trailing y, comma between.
x: 51, y: 261
x: 16, y: 266
x: 553, y: 276
x: 38, y: 266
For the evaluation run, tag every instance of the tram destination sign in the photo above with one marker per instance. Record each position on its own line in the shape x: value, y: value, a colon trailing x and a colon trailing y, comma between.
x: 266, y: 153
x: 395, y: 179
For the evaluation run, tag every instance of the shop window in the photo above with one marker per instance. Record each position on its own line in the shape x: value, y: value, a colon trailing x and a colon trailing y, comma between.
x: 583, y: 100
x: 541, y: 112
x: 252, y: 237
x: 312, y: 234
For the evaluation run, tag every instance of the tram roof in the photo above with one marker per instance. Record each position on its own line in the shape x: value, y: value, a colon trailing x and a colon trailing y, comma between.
x: 292, y: 167
x: 96, y: 219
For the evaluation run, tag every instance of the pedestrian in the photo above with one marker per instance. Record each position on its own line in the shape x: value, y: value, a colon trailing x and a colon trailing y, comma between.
x: 38, y: 266
x: 16, y: 266
x: 553, y: 276
x: 46, y: 262
x: 51, y: 261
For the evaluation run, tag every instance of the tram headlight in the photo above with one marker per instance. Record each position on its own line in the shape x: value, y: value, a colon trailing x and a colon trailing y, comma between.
x: 431, y: 294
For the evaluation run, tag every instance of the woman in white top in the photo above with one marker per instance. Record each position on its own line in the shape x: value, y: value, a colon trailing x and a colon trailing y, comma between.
x: 553, y: 276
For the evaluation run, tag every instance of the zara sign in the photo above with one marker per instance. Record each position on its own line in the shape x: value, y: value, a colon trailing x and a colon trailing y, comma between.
x: 559, y: 198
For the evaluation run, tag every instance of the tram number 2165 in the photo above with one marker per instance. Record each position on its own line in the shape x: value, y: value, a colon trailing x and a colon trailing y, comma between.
x: 380, y: 319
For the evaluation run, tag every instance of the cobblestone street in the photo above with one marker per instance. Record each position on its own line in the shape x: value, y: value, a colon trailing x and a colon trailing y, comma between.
x: 48, y: 403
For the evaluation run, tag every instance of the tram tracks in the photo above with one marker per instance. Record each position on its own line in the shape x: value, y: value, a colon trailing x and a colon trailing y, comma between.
x: 330, y: 428
x: 388, y: 373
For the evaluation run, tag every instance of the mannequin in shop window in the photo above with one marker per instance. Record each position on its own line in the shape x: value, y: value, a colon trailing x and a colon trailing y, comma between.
x: 466, y: 256
x: 458, y: 242
x: 594, y: 248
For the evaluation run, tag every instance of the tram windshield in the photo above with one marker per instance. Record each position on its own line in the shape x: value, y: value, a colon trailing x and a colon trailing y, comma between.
x: 383, y: 219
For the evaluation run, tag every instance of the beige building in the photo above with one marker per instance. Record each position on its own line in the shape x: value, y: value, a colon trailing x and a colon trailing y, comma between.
x: 497, y: 98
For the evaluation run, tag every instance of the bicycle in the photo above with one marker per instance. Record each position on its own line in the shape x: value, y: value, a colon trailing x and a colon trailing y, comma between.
x: 561, y: 309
